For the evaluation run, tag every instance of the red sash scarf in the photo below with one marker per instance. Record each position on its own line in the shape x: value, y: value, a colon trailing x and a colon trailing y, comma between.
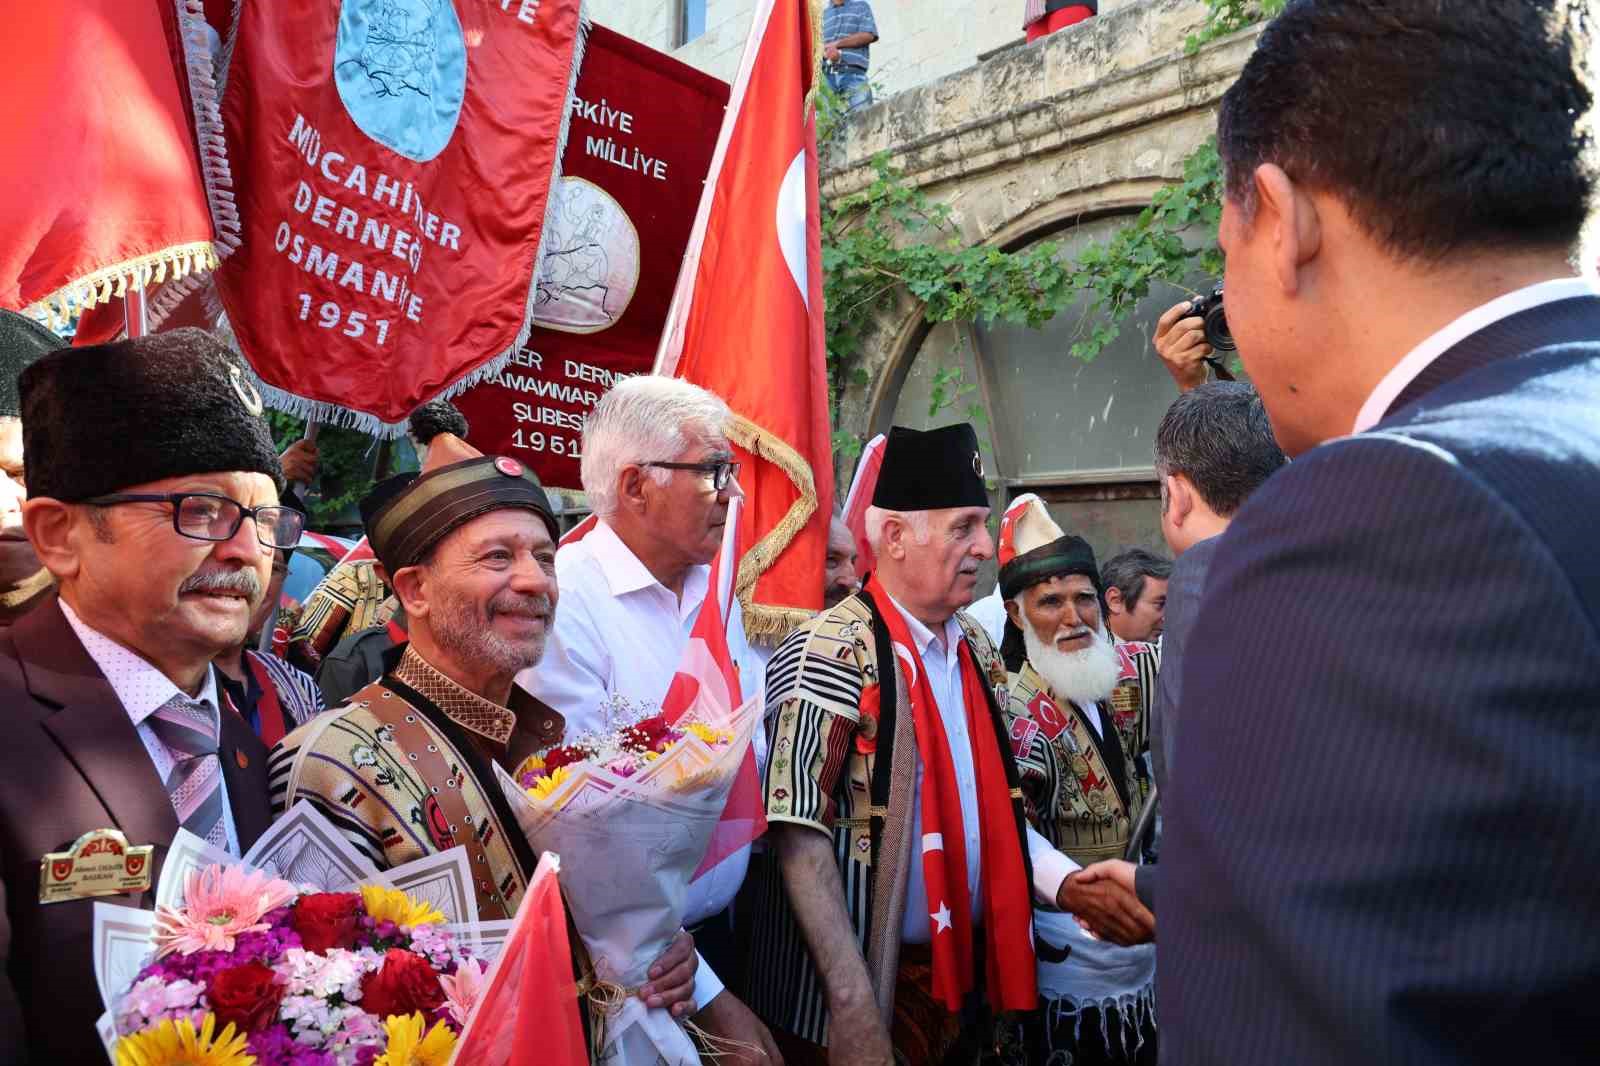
x: 1007, y: 901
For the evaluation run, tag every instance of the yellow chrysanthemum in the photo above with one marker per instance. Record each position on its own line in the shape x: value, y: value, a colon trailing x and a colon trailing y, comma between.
x: 529, y: 765
x: 393, y: 905
x: 177, y: 1044
x: 542, y: 788
x: 708, y: 734
x: 408, y: 1046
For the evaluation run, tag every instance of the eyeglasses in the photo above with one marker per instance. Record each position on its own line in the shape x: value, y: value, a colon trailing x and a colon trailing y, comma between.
x: 721, y: 471
x: 207, y: 516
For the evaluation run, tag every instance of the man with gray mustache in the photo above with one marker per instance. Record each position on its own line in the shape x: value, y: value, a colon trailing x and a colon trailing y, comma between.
x: 117, y: 733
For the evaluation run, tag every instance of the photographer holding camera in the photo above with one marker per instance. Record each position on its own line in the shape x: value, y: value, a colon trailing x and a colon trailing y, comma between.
x: 1188, y: 338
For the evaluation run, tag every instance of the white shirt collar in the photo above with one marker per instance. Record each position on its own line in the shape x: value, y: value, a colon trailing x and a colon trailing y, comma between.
x: 923, y: 636
x: 1423, y: 355
x: 625, y: 573
x: 140, y: 686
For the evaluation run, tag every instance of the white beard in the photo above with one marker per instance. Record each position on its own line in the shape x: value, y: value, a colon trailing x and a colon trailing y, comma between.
x: 1081, y: 677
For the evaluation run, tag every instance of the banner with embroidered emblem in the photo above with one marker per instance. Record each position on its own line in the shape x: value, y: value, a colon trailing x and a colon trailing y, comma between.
x: 393, y: 163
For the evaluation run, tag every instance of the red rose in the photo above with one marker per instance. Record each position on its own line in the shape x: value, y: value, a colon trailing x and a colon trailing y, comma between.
x: 248, y: 996
x: 327, y: 920
x: 556, y: 758
x: 405, y: 982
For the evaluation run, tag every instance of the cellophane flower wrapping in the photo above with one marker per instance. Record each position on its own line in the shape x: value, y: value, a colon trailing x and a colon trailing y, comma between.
x: 304, y: 978
x: 631, y: 833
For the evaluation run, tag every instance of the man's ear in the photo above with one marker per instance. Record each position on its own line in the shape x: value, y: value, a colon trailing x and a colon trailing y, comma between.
x: 1180, y: 500
x: 410, y: 583
x: 1113, y: 600
x: 894, y: 539
x: 1294, y: 224
x: 1014, y: 612
x: 54, y: 530
x: 630, y: 488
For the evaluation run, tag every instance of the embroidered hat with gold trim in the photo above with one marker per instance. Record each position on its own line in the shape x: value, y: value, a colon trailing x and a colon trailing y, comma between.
x: 457, y: 484
x: 102, y: 418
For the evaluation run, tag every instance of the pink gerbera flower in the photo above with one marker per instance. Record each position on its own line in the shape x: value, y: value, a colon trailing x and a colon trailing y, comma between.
x: 220, y: 903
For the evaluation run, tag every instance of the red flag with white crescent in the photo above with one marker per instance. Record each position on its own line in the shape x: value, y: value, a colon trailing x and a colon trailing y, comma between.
x: 746, y: 318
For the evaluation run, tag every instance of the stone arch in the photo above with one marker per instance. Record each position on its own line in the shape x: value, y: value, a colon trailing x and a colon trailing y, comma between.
x: 906, y: 331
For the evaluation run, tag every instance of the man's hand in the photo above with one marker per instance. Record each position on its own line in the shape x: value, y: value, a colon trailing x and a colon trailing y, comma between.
x: 856, y: 1036
x: 672, y: 978
x: 300, y: 461
x: 1108, y: 910
x: 727, y: 1018
x: 831, y: 52
x: 1120, y: 871
x: 1181, y: 343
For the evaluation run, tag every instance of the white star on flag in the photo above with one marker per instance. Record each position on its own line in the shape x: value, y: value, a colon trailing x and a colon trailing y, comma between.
x: 941, y: 918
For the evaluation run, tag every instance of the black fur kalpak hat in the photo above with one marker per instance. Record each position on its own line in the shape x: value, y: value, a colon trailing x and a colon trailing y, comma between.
x: 22, y: 343
x: 100, y: 419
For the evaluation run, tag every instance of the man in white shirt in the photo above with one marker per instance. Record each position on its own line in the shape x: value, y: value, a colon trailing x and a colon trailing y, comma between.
x: 658, y: 473
x: 161, y: 547
x: 1380, y: 841
x: 893, y: 798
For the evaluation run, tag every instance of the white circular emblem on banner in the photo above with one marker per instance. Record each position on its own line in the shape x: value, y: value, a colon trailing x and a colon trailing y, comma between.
x: 401, y: 70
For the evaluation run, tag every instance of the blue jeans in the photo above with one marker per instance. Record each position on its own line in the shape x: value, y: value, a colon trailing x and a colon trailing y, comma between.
x: 850, y: 83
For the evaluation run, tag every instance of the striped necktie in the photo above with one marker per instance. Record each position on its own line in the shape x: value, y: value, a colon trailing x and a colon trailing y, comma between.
x: 189, y: 730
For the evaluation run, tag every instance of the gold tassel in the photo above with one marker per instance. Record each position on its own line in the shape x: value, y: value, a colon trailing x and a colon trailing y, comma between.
x: 103, y: 284
x: 762, y: 620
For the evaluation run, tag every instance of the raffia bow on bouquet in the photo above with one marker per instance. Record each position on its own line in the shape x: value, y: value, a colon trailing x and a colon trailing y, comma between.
x: 638, y: 813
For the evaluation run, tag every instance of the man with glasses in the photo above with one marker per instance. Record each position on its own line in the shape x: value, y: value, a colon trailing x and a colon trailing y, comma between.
x: 658, y: 472
x: 153, y: 501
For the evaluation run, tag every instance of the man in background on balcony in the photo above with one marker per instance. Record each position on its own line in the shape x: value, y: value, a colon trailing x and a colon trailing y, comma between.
x: 848, y: 33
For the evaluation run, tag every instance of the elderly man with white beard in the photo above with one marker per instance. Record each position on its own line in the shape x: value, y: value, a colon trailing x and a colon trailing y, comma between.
x: 1075, y: 746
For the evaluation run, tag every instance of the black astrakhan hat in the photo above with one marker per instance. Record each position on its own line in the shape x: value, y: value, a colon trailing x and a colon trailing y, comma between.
x: 22, y: 342
x: 928, y: 470
x: 102, y: 418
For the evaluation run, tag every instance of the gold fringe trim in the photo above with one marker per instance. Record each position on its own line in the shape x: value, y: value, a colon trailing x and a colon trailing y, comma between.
x: 764, y: 623
x: 113, y: 281
x: 815, y: 8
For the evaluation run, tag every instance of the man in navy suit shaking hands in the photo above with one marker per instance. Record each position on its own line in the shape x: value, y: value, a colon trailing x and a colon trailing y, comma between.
x: 1383, y: 841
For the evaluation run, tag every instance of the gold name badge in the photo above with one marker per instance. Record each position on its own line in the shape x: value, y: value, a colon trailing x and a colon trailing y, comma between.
x: 99, y: 863
x: 1126, y: 699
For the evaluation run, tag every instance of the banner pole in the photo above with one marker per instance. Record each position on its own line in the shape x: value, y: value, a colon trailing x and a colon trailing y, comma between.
x: 135, y: 318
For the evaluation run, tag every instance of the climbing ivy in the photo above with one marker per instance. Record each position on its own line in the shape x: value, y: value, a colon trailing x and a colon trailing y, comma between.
x: 1229, y: 16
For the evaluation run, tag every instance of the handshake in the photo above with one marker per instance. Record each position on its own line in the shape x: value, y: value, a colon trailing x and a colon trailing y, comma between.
x: 1101, y: 898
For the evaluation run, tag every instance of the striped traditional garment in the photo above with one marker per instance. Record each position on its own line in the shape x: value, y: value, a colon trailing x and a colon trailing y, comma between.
x: 297, y: 690
x: 349, y: 599
x: 819, y: 775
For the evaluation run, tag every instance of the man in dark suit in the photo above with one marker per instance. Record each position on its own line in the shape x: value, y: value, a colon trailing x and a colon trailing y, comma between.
x: 161, y: 546
x: 1214, y: 448
x: 1380, y: 846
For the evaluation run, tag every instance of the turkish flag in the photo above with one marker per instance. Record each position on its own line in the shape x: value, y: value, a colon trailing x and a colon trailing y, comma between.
x: 746, y: 318
x: 527, y: 1014
x: 101, y: 181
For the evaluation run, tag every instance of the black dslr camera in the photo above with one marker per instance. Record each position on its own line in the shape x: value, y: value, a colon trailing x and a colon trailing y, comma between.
x: 1209, y: 308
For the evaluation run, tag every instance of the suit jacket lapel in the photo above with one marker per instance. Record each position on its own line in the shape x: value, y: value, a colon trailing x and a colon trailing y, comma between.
x: 244, y: 772
x: 93, y: 728
x: 1562, y: 321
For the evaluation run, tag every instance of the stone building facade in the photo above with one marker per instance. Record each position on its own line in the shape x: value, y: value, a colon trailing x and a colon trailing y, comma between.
x: 1062, y: 139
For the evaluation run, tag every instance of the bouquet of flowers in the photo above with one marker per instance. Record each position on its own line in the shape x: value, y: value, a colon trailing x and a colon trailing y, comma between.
x: 636, y: 811
x: 304, y: 953
x: 249, y: 968
x: 631, y: 813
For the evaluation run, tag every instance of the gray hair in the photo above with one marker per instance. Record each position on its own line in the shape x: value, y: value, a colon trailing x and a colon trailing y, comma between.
x: 877, y: 518
x: 646, y: 417
x: 1127, y: 573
